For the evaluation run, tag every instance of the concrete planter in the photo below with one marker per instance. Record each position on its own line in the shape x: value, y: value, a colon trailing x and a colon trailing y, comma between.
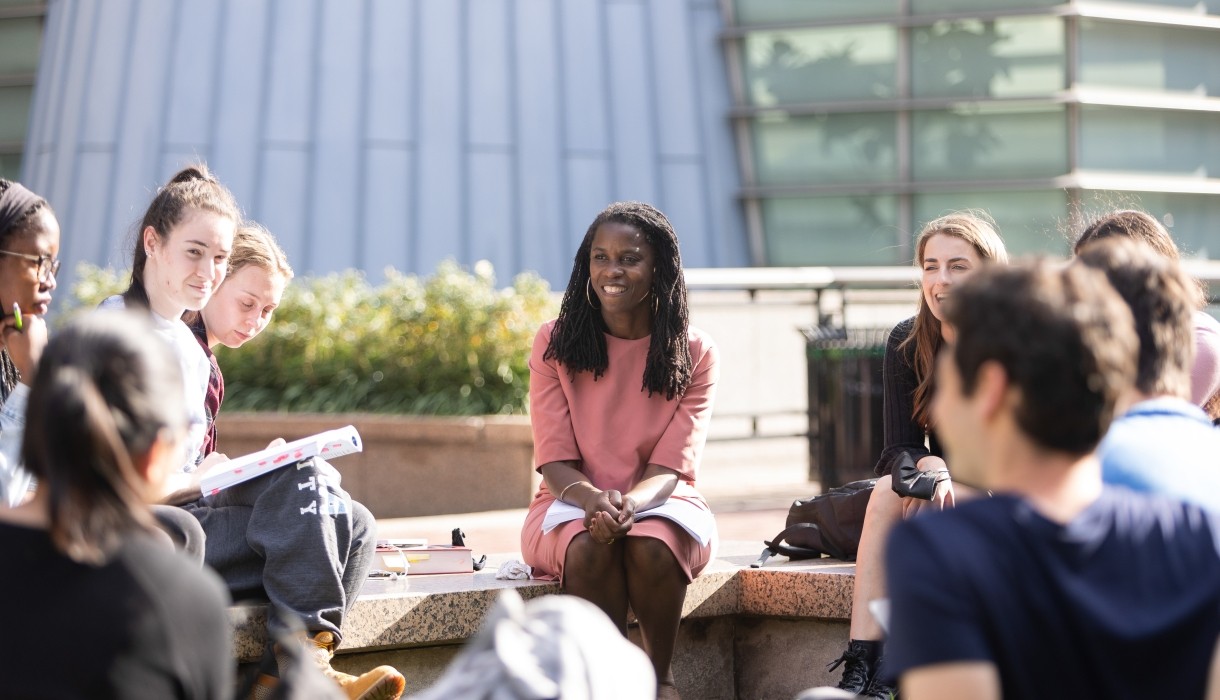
x: 411, y: 465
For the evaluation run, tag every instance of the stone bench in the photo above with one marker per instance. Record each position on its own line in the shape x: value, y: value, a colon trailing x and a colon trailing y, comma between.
x: 748, y: 633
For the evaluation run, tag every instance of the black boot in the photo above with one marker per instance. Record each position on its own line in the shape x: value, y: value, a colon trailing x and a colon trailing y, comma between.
x: 859, y: 663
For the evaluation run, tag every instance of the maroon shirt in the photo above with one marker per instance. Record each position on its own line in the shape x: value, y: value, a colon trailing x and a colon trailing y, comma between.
x: 216, y: 387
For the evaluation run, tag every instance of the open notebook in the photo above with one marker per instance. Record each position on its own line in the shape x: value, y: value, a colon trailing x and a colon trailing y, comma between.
x: 692, y: 516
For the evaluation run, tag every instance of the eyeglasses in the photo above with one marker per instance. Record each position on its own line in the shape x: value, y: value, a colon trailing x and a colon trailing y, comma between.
x: 47, y: 266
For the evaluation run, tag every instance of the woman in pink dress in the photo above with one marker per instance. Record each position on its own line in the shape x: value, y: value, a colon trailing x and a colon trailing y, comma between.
x: 621, y: 391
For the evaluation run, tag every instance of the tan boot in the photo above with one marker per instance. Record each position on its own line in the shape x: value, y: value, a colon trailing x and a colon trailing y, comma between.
x: 382, y: 683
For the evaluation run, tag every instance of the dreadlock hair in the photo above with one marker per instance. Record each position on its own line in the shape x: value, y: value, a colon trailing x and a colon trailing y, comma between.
x: 194, y: 188
x: 978, y: 229
x: 578, y: 339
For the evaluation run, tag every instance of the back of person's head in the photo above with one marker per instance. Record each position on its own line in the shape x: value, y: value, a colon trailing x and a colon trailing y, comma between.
x: 1129, y: 223
x: 1162, y: 299
x: 1142, y: 227
x: 1063, y: 338
x: 254, y: 245
x: 105, y: 391
x: 191, y: 190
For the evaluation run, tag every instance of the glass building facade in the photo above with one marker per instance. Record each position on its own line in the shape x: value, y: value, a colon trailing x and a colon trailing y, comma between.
x: 856, y: 121
x: 20, y: 36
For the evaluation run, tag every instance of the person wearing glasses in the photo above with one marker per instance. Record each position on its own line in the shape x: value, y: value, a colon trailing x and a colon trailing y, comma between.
x: 29, y: 250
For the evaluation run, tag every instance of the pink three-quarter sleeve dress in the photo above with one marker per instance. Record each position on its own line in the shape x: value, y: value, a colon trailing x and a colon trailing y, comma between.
x: 615, y: 429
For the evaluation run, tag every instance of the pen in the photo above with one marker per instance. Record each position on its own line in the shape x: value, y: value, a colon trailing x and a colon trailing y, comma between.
x: 17, y: 316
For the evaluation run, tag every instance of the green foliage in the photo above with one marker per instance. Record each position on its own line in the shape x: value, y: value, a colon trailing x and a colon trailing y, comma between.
x: 450, y: 344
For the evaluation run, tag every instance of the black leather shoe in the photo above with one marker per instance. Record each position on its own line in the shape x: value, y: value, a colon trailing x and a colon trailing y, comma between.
x: 858, y: 668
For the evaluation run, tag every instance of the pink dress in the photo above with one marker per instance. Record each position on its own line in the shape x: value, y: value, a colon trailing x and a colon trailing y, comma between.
x: 615, y: 429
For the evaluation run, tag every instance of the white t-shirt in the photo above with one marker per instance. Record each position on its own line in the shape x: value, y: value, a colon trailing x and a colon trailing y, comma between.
x: 15, y: 481
x: 196, y: 371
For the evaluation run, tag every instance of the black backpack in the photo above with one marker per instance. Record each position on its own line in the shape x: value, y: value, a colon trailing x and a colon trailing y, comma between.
x: 829, y: 523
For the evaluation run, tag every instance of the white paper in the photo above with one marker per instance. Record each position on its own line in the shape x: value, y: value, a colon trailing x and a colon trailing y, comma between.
x: 694, y: 519
x: 328, y: 444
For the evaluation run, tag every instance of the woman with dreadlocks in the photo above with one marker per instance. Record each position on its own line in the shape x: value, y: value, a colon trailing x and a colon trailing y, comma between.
x: 621, y: 391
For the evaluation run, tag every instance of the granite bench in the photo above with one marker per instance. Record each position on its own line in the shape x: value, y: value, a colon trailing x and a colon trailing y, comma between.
x: 748, y: 633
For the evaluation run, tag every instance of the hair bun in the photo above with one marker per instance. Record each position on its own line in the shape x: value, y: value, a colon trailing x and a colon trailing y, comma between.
x: 191, y: 173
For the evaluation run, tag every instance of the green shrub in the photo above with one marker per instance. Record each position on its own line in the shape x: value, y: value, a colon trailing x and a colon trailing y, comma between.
x: 450, y: 344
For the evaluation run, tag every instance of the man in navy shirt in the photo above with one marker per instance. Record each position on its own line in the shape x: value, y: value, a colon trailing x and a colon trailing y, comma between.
x: 1057, y: 586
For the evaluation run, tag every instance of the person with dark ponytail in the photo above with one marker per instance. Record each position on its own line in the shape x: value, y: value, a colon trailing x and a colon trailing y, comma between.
x: 102, y: 608
x: 29, y: 260
x: 621, y: 392
x: 180, y: 257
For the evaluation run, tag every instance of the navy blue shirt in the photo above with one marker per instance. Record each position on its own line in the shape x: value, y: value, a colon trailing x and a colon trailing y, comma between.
x: 1123, y: 602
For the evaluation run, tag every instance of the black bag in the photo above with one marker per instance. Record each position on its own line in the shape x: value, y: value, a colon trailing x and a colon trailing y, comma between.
x: 829, y: 523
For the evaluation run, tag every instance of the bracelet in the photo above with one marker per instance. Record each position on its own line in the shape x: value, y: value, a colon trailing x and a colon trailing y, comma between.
x: 565, y: 488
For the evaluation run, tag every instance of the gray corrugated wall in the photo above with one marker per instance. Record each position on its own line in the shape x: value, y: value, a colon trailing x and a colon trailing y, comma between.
x: 375, y: 133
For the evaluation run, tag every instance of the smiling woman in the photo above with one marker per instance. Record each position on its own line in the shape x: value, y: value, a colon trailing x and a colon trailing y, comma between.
x: 947, y: 251
x: 29, y: 260
x: 180, y: 256
x: 621, y: 392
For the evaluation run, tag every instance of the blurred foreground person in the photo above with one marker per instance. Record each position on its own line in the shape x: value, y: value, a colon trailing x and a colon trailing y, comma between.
x: 101, y: 605
x: 1056, y: 587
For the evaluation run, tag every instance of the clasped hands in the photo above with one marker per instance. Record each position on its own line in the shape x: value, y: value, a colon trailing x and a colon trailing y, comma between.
x: 609, y: 516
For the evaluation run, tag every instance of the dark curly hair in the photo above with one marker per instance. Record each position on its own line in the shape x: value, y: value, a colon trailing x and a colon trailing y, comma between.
x: 578, y: 341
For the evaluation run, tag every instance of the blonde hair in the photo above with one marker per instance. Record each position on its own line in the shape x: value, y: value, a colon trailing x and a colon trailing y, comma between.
x: 977, y: 228
x: 254, y: 245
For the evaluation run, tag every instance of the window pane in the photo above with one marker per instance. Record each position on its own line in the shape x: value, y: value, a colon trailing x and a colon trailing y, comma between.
x: 1190, y: 218
x: 1029, y: 222
x: 19, y: 40
x: 10, y: 166
x: 858, y: 230
x: 994, y: 58
x: 1148, y: 57
x: 759, y: 11
x: 14, y: 112
x: 827, y: 148
x: 987, y: 142
x: 1211, y: 7
x: 925, y: 7
x: 833, y: 63
x: 1148, y: 141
